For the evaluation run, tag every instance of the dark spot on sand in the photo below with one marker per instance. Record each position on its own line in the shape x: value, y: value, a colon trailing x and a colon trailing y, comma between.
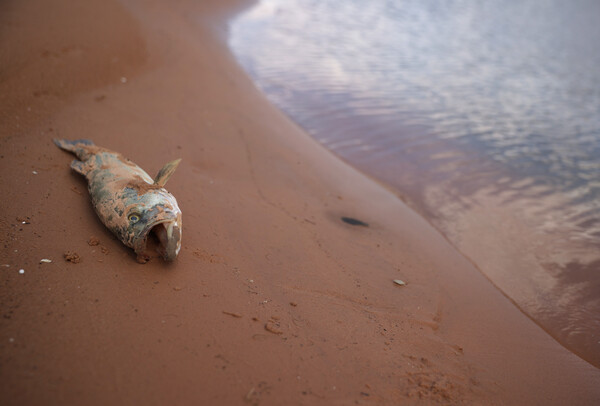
x: 354, y: 222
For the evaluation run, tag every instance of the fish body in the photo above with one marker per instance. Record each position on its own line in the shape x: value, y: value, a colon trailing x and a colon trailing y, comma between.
x: 127, y: 200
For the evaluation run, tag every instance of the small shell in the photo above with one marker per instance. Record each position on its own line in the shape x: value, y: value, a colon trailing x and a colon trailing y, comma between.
x: 45, y: 261
x: 399, y: 282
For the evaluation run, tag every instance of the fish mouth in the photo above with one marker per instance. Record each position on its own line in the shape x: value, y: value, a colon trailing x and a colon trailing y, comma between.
x: 167, y: 235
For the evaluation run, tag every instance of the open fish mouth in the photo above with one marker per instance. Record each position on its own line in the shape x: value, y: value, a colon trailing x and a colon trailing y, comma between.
x: 168, y: 238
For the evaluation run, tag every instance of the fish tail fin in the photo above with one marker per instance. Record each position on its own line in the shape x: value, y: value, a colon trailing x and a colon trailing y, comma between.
x: 78, y: 147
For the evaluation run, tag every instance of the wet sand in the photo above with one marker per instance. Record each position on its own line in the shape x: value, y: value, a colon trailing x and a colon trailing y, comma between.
x: 273, y: 299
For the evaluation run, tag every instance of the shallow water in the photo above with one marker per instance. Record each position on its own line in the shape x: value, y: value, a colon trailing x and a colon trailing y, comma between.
x: 485, y: 117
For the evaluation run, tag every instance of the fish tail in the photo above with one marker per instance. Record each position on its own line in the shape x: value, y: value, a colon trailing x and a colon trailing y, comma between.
x: 78, y: 147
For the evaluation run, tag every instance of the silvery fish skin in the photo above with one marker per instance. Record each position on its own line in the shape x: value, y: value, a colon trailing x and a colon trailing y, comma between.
x: 128, y: 201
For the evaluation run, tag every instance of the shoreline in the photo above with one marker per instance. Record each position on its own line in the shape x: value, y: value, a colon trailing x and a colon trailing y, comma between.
x: 527, y: 239
x: 262, y: 239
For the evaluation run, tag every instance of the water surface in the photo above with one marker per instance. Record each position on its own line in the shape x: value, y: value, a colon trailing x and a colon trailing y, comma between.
x: 484, y: 116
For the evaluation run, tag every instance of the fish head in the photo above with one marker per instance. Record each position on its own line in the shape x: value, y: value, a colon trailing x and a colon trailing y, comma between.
x: 152, y: 214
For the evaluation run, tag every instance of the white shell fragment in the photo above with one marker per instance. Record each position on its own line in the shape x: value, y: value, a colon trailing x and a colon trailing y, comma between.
x: 45, y: 261
x: 21, y: 271
x: 399, y: 282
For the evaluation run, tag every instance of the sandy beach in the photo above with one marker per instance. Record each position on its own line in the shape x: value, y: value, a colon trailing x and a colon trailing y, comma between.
x: 273, y: 300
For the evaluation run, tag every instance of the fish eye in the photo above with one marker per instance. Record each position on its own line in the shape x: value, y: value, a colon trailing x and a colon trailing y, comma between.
x: 134, y: 217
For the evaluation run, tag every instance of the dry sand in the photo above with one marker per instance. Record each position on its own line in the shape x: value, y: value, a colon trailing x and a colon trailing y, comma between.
x: 273, y: 299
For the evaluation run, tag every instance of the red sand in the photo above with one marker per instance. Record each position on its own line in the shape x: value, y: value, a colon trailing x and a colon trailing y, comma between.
x: 273, y: 299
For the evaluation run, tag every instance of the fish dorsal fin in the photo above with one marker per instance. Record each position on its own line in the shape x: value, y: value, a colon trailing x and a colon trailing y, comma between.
x: 165, y: 173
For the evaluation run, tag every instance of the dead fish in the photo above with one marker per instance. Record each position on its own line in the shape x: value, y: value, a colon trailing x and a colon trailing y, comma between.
x: 127, y: 200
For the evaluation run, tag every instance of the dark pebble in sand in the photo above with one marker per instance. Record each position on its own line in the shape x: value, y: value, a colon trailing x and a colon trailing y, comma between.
x: 354, y: 222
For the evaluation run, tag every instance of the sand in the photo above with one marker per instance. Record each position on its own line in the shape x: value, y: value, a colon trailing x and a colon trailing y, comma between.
x: 273, y: 299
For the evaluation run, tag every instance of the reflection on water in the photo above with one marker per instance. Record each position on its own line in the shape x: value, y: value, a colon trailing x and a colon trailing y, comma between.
x: 484, y: 115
